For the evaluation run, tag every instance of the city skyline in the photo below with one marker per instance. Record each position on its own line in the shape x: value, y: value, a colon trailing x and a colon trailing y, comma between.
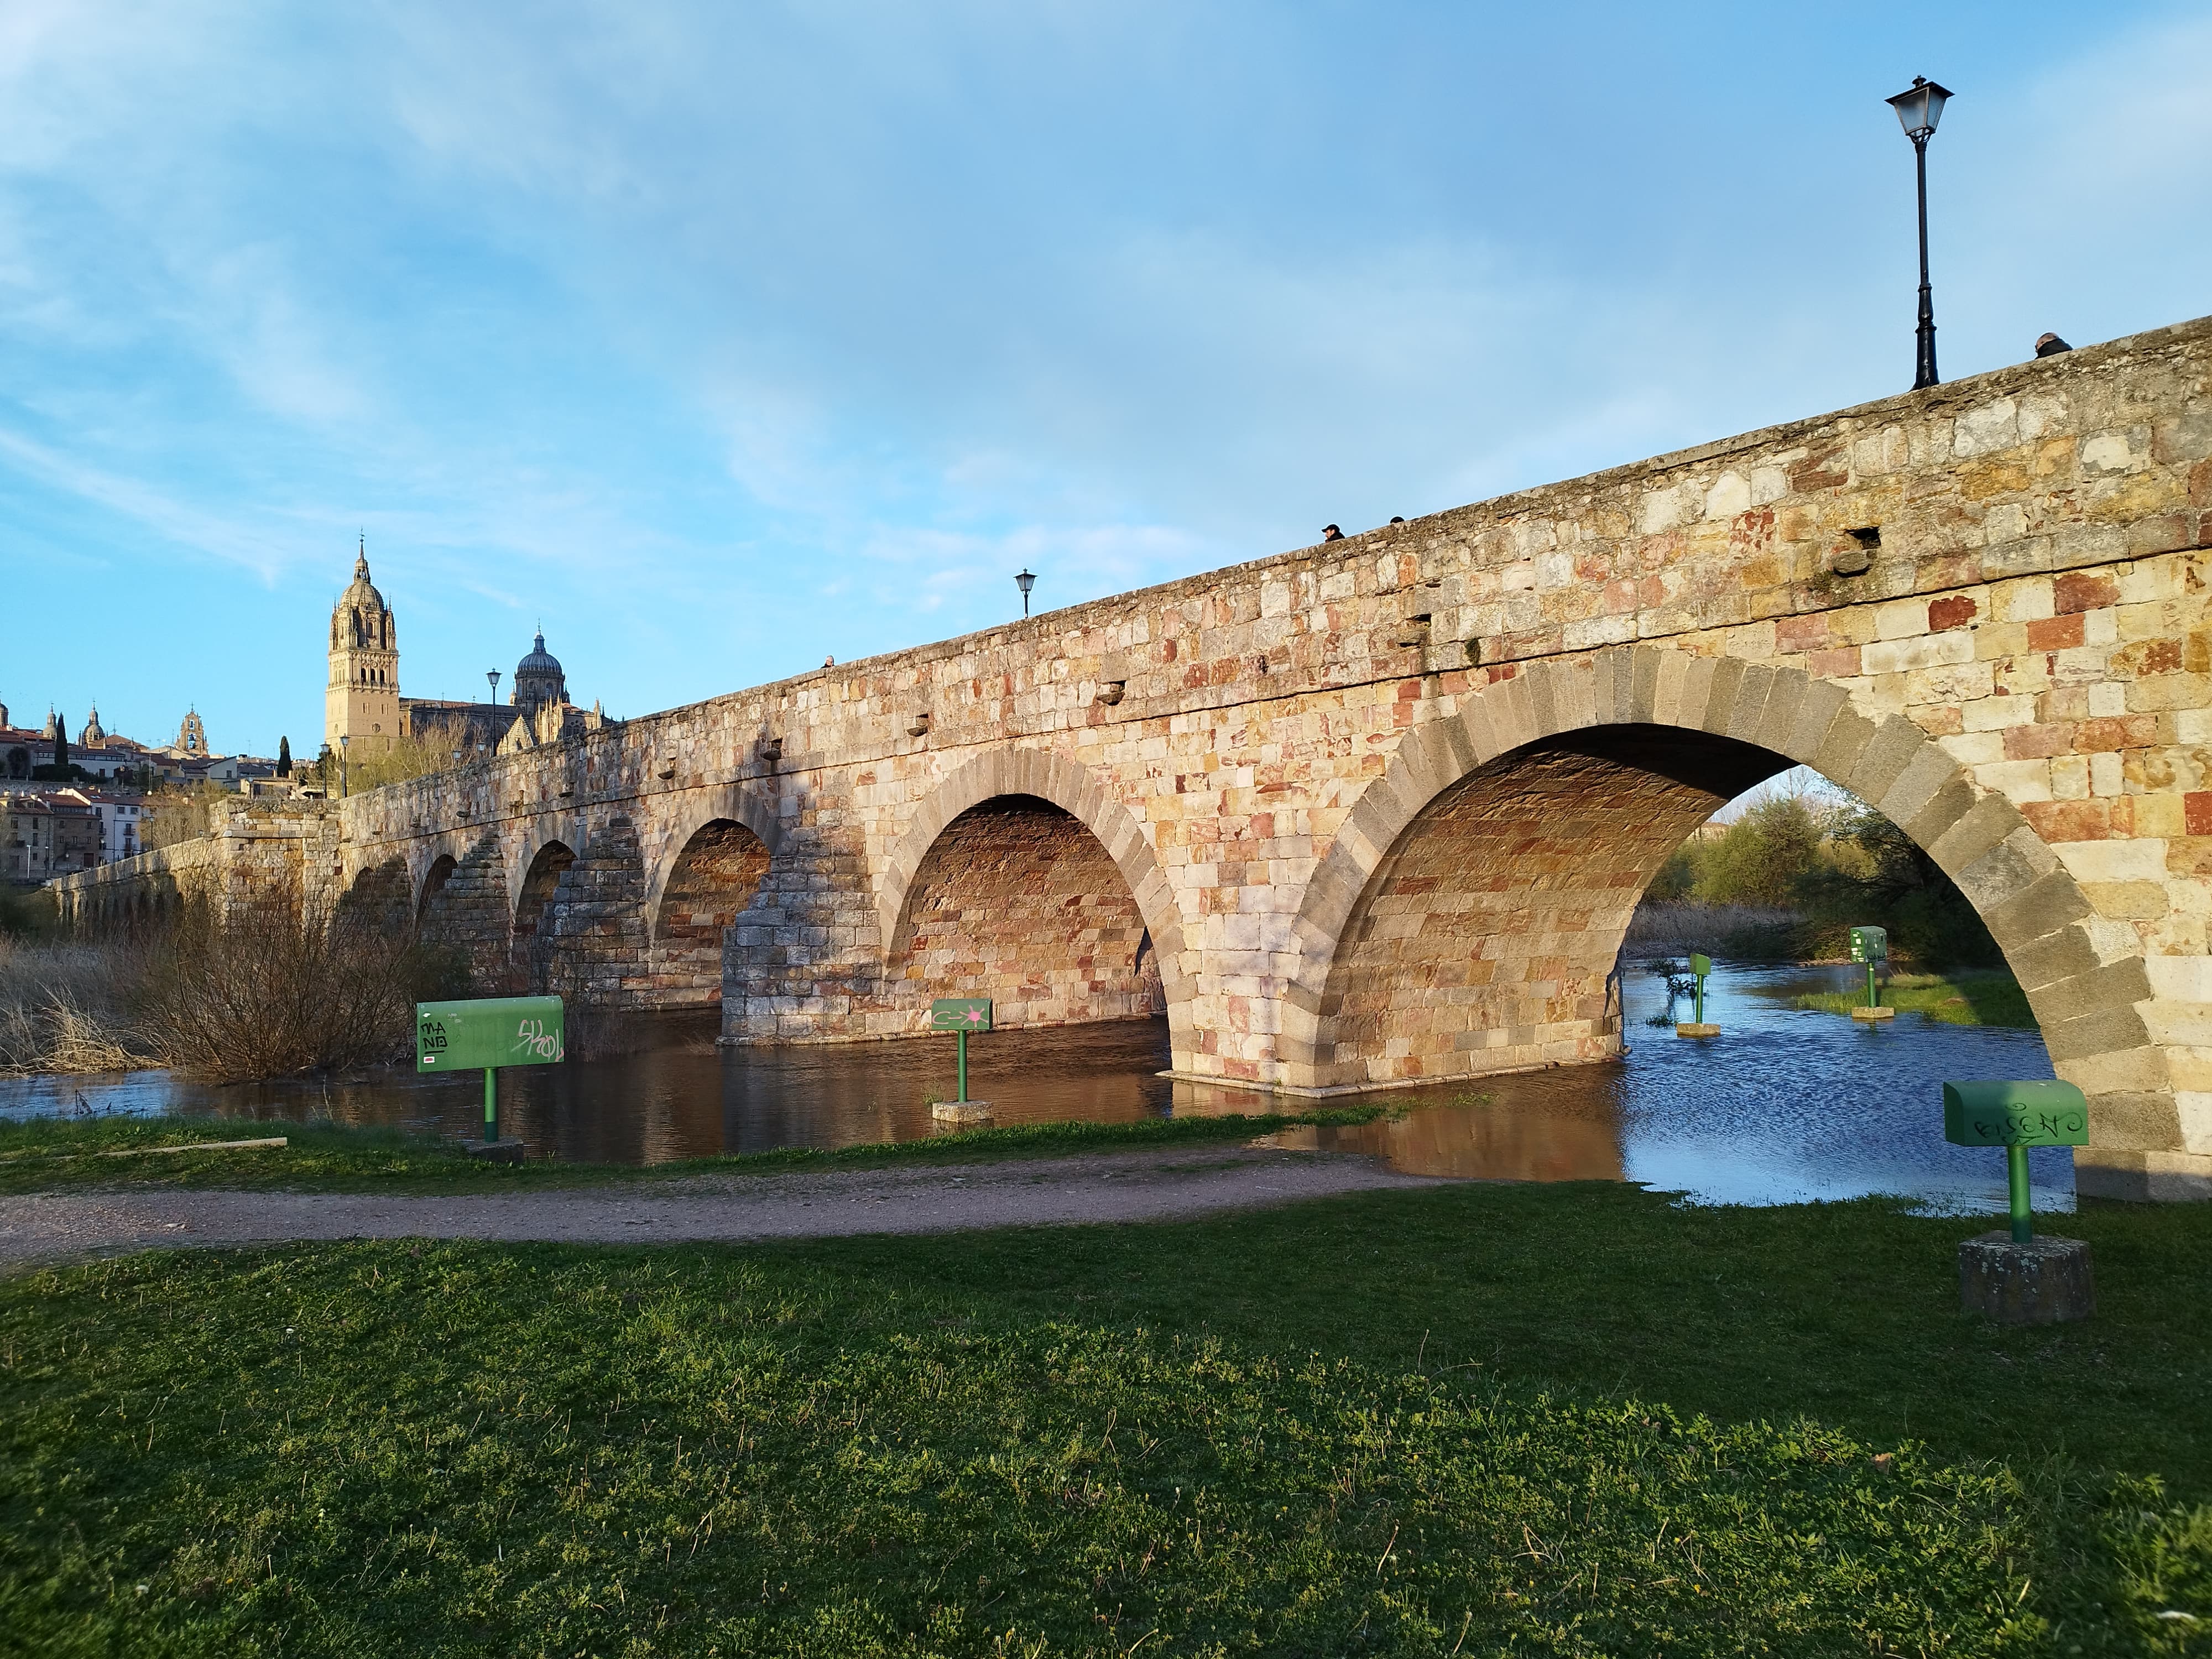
x: 717, y: 386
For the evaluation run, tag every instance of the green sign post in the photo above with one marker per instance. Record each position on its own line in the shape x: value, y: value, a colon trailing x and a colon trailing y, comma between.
x: 489, y: 1032
x: 2015, y: 1116
x: 960, y: 1016
x: 1701, y: 965
x: 1871, y: 947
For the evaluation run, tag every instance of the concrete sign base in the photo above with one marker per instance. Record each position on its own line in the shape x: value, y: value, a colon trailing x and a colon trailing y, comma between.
x: 2043, y: 1282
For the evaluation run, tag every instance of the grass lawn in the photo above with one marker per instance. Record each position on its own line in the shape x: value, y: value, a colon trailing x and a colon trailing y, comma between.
x: 1562, y: 1419
x: 1959, y: 999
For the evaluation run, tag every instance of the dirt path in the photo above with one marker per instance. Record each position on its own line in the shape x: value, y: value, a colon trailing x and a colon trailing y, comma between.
x: 1106, y: 1186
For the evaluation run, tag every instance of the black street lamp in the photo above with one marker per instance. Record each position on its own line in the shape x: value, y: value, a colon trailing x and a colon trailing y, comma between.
x: 345, y: 741
x: 1919, y: 107
x: 1025, y: 581
x: 492, y: 674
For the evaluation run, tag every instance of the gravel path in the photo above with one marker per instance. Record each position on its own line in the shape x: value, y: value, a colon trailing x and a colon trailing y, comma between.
x: 1105, y: 1186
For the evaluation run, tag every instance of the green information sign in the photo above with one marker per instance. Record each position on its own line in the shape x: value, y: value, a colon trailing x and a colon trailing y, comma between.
x: 1869, y: 944
x: 463, y: 1037
x: 2015, y: 1116
x: 1871, y: 947
x: 485, y: 1033
x: 961, y: 1016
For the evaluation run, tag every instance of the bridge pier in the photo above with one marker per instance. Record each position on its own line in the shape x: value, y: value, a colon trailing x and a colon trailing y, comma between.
x: 1381, y: 809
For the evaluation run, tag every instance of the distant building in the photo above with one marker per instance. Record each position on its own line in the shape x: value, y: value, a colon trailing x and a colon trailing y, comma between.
x: 47, y: 834
x: 362, y: 706
x: 120, y: 815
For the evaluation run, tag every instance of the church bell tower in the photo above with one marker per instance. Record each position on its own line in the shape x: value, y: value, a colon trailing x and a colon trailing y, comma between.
x: 362, y: 700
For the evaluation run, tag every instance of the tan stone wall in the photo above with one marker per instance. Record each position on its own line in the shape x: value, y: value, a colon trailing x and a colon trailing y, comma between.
x: 1019, y: 903
x: 1982, y: 607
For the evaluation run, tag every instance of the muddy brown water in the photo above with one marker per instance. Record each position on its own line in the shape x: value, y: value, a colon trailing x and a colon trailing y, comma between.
x: 1784, y: 1105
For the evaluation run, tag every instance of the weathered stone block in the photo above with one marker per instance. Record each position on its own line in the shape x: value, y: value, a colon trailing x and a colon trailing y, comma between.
x: 2044, y: 1281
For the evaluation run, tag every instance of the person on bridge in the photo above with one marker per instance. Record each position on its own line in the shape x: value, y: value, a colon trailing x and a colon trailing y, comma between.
x: 1331, y: 533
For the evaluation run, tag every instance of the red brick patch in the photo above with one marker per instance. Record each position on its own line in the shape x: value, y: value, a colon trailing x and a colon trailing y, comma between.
x: 1954, y: 613
x: 2055, y: 633
x: 2069, y: 820
x: 2078, y: 591
x: 2196, y: 811
x: 1840, y: 665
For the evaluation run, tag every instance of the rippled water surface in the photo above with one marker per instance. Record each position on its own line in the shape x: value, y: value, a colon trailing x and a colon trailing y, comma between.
x: 1781, y: 1106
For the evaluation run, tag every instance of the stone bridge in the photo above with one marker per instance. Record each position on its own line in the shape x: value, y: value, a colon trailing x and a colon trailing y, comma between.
x: 1380, y: 810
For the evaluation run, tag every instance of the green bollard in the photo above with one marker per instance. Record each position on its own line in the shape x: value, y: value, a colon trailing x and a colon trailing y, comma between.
x: 963, y: 1037
x: 2023, y: 1219
x: 491, y: 1105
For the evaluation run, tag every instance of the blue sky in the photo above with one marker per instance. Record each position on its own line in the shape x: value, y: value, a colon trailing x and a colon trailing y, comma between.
x: 720, y: 338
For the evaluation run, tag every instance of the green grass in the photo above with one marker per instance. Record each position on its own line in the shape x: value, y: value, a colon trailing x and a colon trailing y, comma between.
x: 1959, y: 999
x: 63, y: 1153
x: 1563, y: 1419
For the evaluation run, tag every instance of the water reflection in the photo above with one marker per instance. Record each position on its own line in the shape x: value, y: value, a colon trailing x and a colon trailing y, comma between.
x: 1783, y: 1106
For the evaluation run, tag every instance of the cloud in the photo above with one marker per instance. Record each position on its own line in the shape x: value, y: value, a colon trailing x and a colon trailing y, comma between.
x: 178, y: 521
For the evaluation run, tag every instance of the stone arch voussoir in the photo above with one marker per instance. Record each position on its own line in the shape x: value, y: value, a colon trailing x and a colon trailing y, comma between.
x: 677, y: 818
x: 537, y: 834
x: 2084, y: 977
x: 1070, y: 786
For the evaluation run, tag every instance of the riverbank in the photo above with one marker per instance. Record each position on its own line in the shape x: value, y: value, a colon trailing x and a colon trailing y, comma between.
x: 67, y: 1154
x: 1961, y: 999
x: 1574, y: 1419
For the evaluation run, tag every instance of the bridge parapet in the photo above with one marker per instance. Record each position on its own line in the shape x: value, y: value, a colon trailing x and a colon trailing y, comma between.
x: 1982, y: 607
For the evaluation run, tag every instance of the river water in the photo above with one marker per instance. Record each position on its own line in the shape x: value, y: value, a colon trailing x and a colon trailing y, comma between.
x: 1784, y: 1106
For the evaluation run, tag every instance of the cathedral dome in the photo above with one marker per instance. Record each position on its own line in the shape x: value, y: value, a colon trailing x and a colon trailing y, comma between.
x: 537, y: 677
x: 539, y: 661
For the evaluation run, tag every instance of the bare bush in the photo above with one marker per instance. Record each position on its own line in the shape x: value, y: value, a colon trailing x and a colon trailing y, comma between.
x: 271, y: 993
x: 1676, y: 928
x: 66, y: 1007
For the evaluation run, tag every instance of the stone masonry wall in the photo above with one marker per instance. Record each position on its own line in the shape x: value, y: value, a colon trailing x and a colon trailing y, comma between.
x: 1982, y: 607
x: 1019, y: 903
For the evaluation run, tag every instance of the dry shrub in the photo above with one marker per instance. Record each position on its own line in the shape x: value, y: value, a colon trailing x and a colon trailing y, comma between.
x: 1674, y: 928
x: 64, y: 1007
x: 271, y: 993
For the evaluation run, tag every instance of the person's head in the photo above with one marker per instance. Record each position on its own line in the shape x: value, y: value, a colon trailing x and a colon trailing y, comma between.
x: 1331, y: 533
x: 1396, y: 518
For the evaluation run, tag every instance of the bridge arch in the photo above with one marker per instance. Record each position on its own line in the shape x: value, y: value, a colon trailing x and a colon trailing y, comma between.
x: 678, y: 833
x: 1495, y: 789
x: 1057, y: 782
x: 540, y: 878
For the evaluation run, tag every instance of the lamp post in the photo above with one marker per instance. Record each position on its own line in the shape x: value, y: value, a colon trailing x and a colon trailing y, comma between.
x: 345, y: 741
x: 1919, y: 107
x: 492, y: 674
x: 1025, y: 581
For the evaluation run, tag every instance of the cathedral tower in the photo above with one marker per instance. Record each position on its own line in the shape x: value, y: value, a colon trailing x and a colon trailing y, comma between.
x: 362, y: 701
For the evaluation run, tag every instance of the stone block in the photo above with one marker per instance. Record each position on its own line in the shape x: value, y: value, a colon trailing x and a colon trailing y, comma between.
x: 2046, y: 1280
x: 2033, y: 907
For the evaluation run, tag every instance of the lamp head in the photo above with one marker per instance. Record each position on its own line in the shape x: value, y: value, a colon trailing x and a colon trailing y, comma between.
x: 1920, y: 107
x: 1025, y: 581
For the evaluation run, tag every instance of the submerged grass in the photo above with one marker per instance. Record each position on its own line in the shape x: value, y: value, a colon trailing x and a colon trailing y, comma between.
x: 59, y: 1153
x: 1568, y: 1419
x: 1959, y: 999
